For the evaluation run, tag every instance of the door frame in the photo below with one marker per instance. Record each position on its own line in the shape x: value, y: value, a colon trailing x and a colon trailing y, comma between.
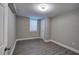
x: 5, y: 25
x: 3, y: 46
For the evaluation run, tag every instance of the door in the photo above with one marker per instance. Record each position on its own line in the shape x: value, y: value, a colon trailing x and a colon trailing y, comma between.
x: 42, y: 28
x: 1, y: 29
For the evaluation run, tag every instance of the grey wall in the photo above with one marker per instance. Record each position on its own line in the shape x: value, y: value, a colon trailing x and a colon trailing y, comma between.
x: 45, y: 31
x: 65, y: 29
x: 22, y: 28
x: 47, y: 28
x: 42, y: 28
x: 11, y: 29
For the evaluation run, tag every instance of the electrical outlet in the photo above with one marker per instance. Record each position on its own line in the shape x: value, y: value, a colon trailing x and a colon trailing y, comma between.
x: 73, y: 43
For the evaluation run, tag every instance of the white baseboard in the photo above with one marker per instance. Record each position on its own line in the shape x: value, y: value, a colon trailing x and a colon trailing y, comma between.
x: 63, y: 45
x: 46, y: 40
x: 27, y: 38
x: 21, y: 40
x: 12, y: 50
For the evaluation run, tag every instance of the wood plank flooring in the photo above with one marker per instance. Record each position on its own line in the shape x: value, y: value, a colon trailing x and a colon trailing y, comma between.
x: 39, y: 47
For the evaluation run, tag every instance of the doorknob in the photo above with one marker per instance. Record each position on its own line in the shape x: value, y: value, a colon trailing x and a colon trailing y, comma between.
x: 7, y: 48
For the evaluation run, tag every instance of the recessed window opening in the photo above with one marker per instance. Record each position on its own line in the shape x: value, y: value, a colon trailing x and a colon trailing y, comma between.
x: 33, y: 24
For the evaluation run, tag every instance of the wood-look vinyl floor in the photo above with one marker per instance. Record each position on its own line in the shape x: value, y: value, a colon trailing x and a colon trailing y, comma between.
x: 39, y: 47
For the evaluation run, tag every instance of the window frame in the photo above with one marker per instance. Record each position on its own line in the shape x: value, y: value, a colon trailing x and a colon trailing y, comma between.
x: 30, y: 29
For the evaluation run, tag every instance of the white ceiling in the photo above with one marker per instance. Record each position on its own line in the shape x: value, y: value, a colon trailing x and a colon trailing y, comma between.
x: 30, y: 9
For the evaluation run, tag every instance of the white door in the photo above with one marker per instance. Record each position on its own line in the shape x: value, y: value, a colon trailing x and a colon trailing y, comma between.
x: 1, y: 30
x: 42, y: 29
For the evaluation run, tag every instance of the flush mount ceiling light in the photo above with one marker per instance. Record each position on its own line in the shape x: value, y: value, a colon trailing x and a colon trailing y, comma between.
x: 43, y: 7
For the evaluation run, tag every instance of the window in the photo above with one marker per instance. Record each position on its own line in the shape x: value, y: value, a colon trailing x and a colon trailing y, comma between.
x: 33, y: 24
